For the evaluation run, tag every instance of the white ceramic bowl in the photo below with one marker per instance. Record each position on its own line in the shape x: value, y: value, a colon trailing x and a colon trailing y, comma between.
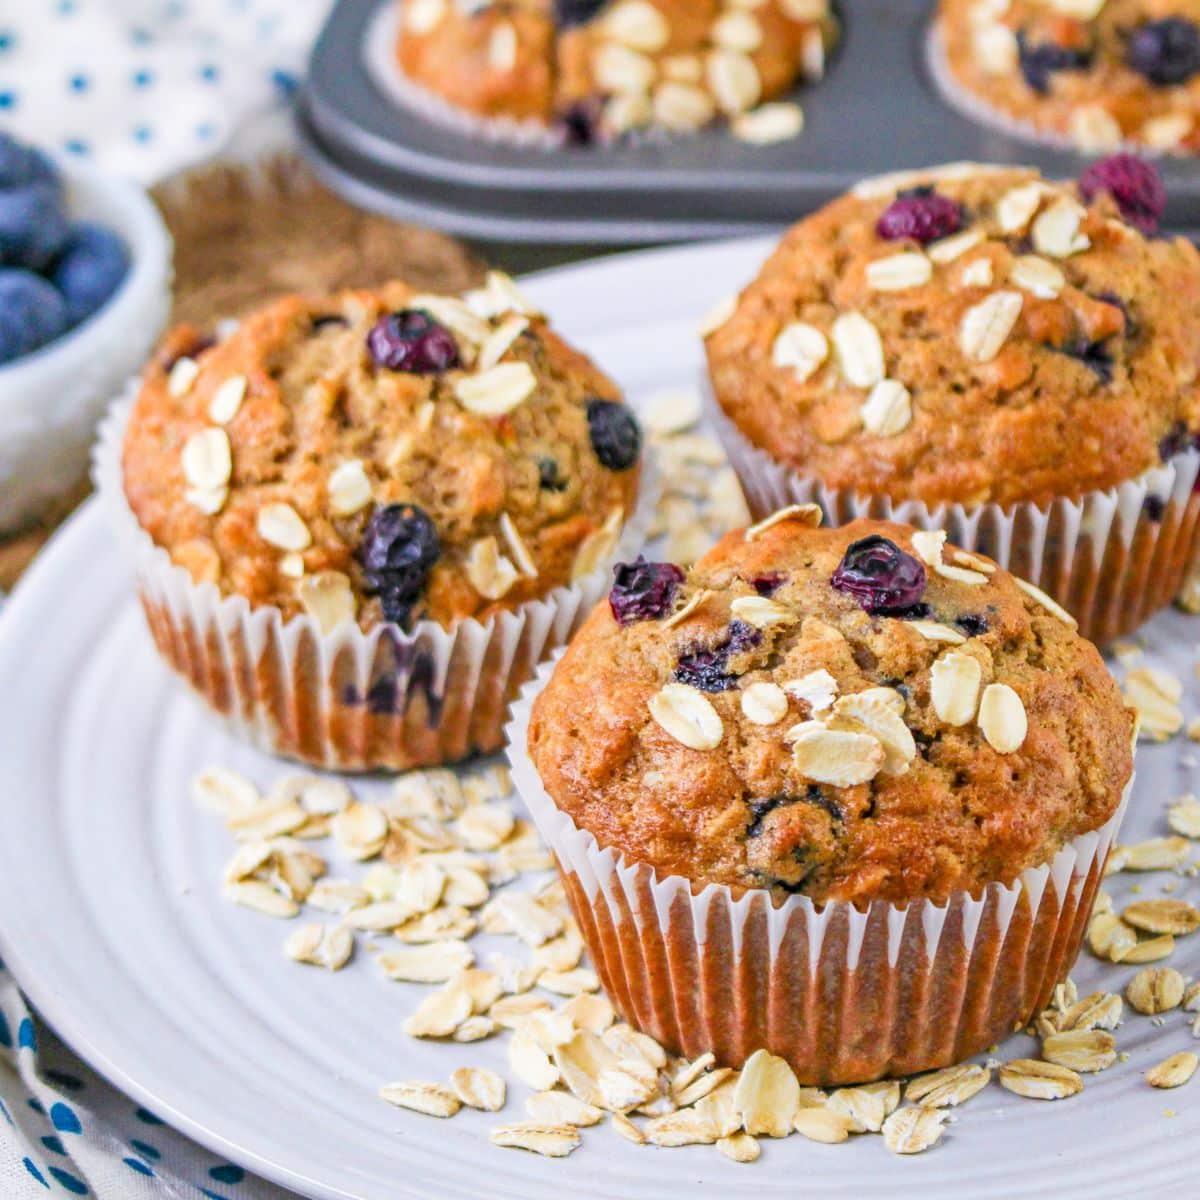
x: 51, y: 401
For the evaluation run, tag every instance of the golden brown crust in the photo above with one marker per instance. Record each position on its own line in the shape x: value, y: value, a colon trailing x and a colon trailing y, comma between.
x: 510, y: 59
x: 1098, y: 103
x: 1078, y: 396
x: 314, y: 400
x: 748, y: 814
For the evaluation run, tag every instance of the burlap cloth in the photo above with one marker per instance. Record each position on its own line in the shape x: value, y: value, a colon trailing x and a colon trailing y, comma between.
x: 244, y: 234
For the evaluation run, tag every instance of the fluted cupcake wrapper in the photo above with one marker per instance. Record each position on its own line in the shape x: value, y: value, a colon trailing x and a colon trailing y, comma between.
x: 348, y: 700
x: 846, y: 995
x: 1111, y: 558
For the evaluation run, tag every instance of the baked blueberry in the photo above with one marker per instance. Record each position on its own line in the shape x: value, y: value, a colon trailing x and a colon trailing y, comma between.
x: 920, y: 215
x: 1134, y: 184
x: 89, y: 270
x: 616, y: 436
x: 708, y: 669
x: 398, y: 550
x: 569, y: 13
x: 884, y: 579
x: 32, y: 313
x: 411, y: 340
x: 1166, y: 52
x: 643, y: 591
x: 1041, y: 60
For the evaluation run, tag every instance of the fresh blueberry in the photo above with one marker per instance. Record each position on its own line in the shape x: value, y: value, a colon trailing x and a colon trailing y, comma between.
x: 22, y: 165
x: 884, y: 579
x: 615, y: 434
x: 1166, y: 52
x: 1135, y: 186
x: 1040, y: 60
x: 708, y: 669
x: 33, y: 226
x: 920, y: 215
x: 411, y: 340
x: 398, y: 550
x: 643, y: 591
x: 89, y: 270
x: 569, y: 13
x: 32, y: 313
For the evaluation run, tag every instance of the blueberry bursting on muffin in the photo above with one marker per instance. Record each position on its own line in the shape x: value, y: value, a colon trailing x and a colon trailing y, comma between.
x: 858, y: 713
x: 383, y: 457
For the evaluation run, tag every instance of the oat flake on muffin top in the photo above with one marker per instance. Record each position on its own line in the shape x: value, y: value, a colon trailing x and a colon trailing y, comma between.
x: 971, y: 334
x: 382, y: 456
x: 857, y: 713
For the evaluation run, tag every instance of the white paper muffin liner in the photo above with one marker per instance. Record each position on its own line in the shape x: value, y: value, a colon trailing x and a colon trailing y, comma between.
x: 845, y: 994
x: 348, y: 700
x: 383, y: 66
x: 1102, y: 556
x: 976, y: 109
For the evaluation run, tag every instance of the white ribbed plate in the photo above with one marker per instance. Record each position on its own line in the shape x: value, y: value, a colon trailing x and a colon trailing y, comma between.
x: 110, y: 915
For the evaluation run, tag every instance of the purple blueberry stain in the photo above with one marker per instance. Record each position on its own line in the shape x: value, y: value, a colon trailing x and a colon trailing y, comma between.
x: 920, y: 215
x: 550, y: 477
x: 615, y: 434
x: 1154, y: 507
x: 390, y: 693
x: 411, y: 340
x: 885, y: 580
x: 397, y: 552
x: 1166, y: 52
x: 1134, y: 184
x: 581, y: 122
x: 708, y: 668
x: 643, y: 591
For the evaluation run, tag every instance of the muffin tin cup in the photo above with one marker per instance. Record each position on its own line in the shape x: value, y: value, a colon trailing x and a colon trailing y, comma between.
x: 845, y: 994
x: 1112, y: 558
x: 976, y: 109
x: 347, y: 700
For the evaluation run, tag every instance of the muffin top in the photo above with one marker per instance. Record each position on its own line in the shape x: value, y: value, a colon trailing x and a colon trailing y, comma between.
x: 599, y: 68
x: 1098, y: 71
x: 971, y: 334
x: 856, y: 713
x: 382, y: 456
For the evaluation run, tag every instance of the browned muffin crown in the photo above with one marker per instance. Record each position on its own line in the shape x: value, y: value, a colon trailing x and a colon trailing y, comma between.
x: 1096, y: 71
x: 603, y: 68
x: 966, y: 334
x: 857, y: 713
x: 382, y: 455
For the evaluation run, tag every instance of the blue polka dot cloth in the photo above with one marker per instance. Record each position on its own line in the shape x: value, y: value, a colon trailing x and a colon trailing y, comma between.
x: 66, y: 1132
x: 147, y: 87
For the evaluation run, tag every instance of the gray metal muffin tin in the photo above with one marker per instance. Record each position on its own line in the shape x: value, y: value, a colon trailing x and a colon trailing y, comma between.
x: 877, y: 110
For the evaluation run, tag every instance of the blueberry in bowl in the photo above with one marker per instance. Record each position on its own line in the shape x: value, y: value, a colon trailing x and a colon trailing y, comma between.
x: 84, y: 291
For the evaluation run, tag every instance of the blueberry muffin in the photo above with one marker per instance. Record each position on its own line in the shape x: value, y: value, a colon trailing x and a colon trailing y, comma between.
x: 861, y: 722
x: 1096, y: 72
x: 596, y: 69
x: 983, y: 338
x: 384, y: 462
x: 852, y: 714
